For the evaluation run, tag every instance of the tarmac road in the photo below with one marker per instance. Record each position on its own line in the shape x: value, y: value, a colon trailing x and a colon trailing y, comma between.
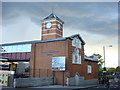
x: 113, y: 86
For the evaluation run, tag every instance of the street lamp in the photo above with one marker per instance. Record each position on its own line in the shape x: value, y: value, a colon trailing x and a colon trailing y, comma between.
x: 104, y: 53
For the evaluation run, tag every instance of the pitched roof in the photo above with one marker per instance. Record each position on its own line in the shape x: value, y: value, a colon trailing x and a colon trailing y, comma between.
x: 64, y: 38
x: 77, y: 35
x: 91, y: 58
x: 52, y: 15
x: 47, y: 40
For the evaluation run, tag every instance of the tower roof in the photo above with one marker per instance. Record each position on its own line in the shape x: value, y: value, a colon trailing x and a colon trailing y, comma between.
x: 51, y: 16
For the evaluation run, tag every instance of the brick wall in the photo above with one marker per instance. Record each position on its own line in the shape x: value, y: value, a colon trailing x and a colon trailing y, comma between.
x: 40, y: 59
x: 81, y: 68
x: 51, y: 30
x: 50, y: 36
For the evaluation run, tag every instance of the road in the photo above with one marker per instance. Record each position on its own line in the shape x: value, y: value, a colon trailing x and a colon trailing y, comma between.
x: 113, y: 86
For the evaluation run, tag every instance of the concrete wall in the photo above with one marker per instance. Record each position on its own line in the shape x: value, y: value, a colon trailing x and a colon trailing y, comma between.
x: 32, y: 82
x: 80, y: 81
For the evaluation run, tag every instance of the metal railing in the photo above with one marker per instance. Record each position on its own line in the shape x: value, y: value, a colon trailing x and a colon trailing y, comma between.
x: 34, y: 73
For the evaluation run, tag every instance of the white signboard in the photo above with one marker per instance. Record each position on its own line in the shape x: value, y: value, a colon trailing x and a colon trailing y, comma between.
x: 58, y: 63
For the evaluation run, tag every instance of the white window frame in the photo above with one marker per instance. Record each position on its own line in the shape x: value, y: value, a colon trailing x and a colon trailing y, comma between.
x: 89, y: 68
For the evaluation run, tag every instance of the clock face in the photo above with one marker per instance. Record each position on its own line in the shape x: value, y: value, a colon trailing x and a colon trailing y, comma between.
x: 59, y: 26
x: 48, y: 25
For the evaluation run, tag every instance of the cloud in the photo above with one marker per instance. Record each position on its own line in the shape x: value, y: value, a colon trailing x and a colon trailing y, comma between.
x: 19, y: 31
x: 0, y: 13
x: 95, y: 22
x: 92, y: 18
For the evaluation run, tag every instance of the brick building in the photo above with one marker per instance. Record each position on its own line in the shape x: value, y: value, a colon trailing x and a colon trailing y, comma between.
x: 53, y: 44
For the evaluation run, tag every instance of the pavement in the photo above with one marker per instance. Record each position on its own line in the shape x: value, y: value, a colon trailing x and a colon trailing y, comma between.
x: 53, y: 87
x: 112, y: 86
x: 60, y: 86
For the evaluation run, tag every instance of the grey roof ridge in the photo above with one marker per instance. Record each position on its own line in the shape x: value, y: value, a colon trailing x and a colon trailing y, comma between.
x: 89, y: 58
x: 62, y: 38
x: 46, y: 40
x: 78, y: 36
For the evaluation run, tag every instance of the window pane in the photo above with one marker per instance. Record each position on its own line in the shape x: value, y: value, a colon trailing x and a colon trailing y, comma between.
x: 24, y: 48
x: 89, y: 68
x: 15, y: 48
x: 10, y: 48
x: 27, y: 47
x: 19, y: 48
x: 5, y: 48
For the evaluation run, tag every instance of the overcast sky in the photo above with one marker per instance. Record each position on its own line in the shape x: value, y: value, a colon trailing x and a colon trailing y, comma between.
x: 96, y: 22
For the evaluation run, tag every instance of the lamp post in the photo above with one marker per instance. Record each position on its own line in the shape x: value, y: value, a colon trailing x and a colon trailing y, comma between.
x: 104, y: 53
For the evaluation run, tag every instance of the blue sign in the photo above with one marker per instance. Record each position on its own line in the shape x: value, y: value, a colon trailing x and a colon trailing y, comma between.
x: 51, y: 52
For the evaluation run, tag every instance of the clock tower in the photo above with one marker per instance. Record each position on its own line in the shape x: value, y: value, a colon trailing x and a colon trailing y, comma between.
x: 52, y: 27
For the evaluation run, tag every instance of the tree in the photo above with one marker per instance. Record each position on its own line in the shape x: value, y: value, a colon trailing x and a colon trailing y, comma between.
x: 100, y: 60
x: 118, y: 69
x: 100, y: 70
x: 111, y: 70
x: 104, y: 69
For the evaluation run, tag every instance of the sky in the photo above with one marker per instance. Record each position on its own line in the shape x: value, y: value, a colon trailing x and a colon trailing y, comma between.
x: 96, y: 22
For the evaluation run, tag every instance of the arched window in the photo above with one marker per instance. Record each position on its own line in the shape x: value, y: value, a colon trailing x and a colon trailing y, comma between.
x: 76, y: 56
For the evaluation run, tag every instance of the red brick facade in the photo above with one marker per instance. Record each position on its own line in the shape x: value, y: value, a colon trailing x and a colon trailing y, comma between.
x: 41, y: 57
x: 55, y: 30
x: 41, y: 60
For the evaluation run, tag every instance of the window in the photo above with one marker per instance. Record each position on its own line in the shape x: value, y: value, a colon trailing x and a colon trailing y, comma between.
x: 89, y: 68
x: 27, y: 48
x: 17, y: 48
x: 10, y: 48
x: 76, y: 57
x: 14, y: 48
x: 5, y: 48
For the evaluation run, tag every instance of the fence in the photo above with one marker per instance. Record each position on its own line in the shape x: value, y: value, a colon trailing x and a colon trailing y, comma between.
x: 33, y: 73
x: 58, y: 77
x: 33, y: 82
x: 41, y: 73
